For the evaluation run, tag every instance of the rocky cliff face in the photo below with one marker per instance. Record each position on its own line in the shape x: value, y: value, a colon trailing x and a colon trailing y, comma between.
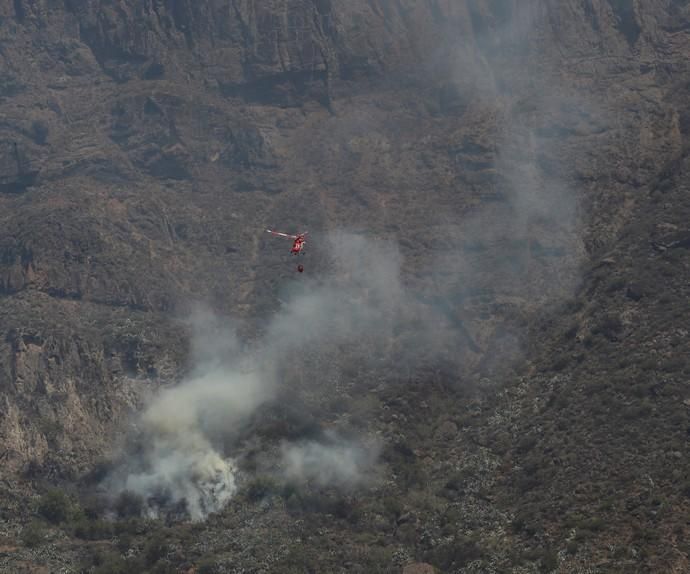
x: 505, y: 145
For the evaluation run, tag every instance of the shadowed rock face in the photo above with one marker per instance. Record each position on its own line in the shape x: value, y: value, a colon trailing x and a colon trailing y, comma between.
x: 15, y: 172
x: 145, y: 145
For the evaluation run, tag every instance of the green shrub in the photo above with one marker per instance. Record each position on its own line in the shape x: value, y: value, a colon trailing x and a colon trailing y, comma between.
x: 293, y: 502
x: 379, y: 560
x: 93, y: 506
x: 646, y: 535
x: 640, y: 390
x: 648, y: 364
x: 571, y: 331
x: 111, y: 563
x: 456, y: 554
x: 206, y: 566
x: 124, y: 542
x: 524, y: 522
x: 33, y: 534
x: 412, y: 475
x: 392, y: 507
x: 155, y: 549
x: 549, y: 561
x: 673, y: 365
x: 639, y: 411
x: 609, y: 326
x: 560, y: 363
x: 92, y: 529
x: 615, y: 285
x: 163, y: 568
x: 301, y: 559
x: 594, y: 524
x: 51, y: 430
x: 130, y: 526
x: 347, y: 509
x: 55, y: 506
x: 526, y: 444
x: 686, y: 489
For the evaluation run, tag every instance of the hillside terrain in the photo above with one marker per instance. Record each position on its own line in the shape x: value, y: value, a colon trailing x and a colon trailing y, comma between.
x: 484, y: 366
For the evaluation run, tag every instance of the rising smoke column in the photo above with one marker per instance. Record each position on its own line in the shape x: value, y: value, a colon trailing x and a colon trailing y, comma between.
x: 361, y: 301
x: 180, y: 460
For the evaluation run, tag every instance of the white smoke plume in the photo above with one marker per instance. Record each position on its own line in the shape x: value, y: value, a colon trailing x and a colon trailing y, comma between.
x: 359, y: 301
x: 181, y: 461
x: 334, y: 462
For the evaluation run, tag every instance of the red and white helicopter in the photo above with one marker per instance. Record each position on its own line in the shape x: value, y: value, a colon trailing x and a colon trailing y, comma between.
x: 298, y: 243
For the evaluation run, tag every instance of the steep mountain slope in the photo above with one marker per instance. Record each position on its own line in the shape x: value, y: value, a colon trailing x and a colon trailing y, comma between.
x: 604, y: 416
x: 529, y: 160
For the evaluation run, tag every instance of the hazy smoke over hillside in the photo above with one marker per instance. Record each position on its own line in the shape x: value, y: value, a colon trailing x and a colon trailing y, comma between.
x: 524, y: 239
x: 361, y: 301
x: 334, y: 462
x: 180, y: 459
x: 525, y: 246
